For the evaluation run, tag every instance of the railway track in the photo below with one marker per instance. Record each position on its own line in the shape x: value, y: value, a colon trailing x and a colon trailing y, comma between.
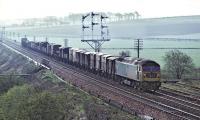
x: 181, y: 94
x: 194, y: 88
x: 124, y: 97
x: 185, y: 89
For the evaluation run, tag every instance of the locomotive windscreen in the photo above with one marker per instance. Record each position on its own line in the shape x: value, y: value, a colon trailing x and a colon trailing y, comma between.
x: 151, y: 71
x: 151, y: 68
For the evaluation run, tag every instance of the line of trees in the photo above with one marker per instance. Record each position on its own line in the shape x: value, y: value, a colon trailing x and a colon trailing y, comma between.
x: 76, y: 19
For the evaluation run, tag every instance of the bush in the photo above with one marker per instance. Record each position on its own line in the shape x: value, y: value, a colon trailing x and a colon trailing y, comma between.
x: 10, y: 81
x: 178, y: 63
x: 27, y: 103
x: 124, y: 54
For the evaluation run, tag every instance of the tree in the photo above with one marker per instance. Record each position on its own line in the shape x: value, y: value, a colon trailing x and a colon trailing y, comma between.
x: 178, y: 63
x: 124, y: 54
x: 119, y: 16
x: 137, y: 15
x: 131, y: 16
x: 30, y: 103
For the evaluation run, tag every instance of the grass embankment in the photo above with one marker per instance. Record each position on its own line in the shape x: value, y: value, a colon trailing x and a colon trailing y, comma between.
x: 187, y: 84
x: 42, y: 96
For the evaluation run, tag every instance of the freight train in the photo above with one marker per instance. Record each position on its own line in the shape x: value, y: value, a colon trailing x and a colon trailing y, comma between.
x: 142, y: 74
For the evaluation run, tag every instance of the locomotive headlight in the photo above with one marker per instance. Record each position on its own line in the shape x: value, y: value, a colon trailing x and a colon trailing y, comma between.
x: 144, y: 75
x: 158, y: 75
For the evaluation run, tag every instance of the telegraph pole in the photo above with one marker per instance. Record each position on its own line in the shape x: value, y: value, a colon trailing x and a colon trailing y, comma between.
x: 138, y: 44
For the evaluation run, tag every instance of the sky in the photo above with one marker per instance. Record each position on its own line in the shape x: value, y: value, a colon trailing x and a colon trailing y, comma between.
x: 17, y: 9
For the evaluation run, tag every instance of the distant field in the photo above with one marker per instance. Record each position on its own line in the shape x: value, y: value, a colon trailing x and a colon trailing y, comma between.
x: 123, y: 34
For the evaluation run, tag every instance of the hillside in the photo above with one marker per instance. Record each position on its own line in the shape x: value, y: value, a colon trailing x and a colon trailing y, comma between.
x: 126, y: 29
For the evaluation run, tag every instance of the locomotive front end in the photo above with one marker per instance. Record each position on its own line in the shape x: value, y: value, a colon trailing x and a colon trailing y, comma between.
x: 151, y: 71
x: 151, y: 75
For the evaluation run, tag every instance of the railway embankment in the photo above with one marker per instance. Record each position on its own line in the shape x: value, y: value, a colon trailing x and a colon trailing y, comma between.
x: 28, y: 91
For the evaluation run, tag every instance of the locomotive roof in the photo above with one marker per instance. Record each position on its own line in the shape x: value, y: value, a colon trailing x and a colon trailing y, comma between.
x: 145, y: 61
x: 140, y: 61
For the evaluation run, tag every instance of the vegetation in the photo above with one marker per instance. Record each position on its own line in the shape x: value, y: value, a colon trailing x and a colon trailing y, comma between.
x: 124, y: 54
x: 48, y: 99
x: 178, y: 63
x: 42, y: 96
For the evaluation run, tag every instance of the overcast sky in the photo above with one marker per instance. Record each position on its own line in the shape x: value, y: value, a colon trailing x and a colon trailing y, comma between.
x: 12, y: 9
